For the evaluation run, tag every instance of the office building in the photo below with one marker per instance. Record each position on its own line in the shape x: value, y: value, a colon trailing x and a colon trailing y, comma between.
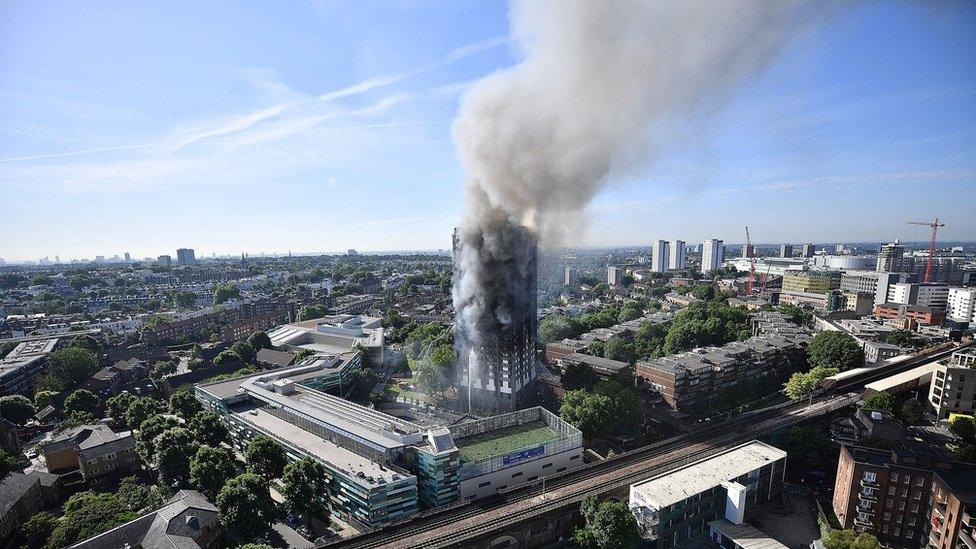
x: 185, y: 256
x: 383, y: 468
x: 570, y: 277
x: 614, y: 275
x: 810, y: 281
x: 933, y: 295
x: 97, y: 451
x: 164, y: 260
x: 886, y: 493
x: 913, y: 313
x: 952, y: 523
x: 808, y: 250
x: 891, y: 258
x: 674, y: 509
x: 333, y: 336
x: 961, y: 305
x: 713, y: 254
x: 846, y: 262
x: 786, y: 250
x: 676, y: 261
x: 953, y: 388
x: 659, y: 256
x: 874, y: 282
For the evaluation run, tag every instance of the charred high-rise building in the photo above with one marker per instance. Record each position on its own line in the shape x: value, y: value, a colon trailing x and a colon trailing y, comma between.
x: 495, y: 302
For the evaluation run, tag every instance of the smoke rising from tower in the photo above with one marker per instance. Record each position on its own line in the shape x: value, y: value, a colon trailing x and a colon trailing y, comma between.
x: 597, y: 84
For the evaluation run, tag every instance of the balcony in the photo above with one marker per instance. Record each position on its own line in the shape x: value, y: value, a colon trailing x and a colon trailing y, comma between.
x: 869, y: 483
x: 968, y: 519
x: 867, y: 496
x: 967, y: 539
x: 860, y: 522
x: 866, y: 510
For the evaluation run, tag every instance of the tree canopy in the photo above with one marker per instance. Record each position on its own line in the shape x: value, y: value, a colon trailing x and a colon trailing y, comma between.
x: 81, y: 400
x: 849, y: 539
x: 880, y: 402
x: 305, y: 487
x: 578, y: 376
x: 16, y: 408
x: 588, y: 412
x: 245, y: 505
x: 207, y: 428
x: 802, y: 385
x: 184, y: 404
x: 66, y: 368
x: 210, y: 469
x: 608, y: 524
x: 835, y: 350
x: 87, y: 514
x: 265, y: 457
x: 259, y: 340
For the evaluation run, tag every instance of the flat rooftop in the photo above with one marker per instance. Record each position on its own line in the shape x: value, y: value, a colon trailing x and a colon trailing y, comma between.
x: 504, y: 441
x: 697, y: 477
x: 340, y: 458
x: 746, y: 536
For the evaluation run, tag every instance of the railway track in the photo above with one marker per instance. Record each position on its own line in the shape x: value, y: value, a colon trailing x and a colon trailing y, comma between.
x: 444, y: 527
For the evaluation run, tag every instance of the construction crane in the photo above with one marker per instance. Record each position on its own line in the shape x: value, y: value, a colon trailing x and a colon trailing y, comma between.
x: 752, y: 261
x: 762, y: 288
x: 934, y: 225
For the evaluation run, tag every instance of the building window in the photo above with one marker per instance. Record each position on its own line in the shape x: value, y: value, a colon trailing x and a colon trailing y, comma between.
x: 547, y: 465
x: 910, y: 533
x: 919, y: 481
x: 887, y: 517
x: 517, y: 474
x: 884, y: 529
x: 870, y: 476
x: 483, y: 484
x: 894, y: 477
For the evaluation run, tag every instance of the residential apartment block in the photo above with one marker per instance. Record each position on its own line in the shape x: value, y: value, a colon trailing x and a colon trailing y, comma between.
x: 674, y: 509
x: 676, y: 259
x: 713, y: 254
x: 952, y: 523
x: 886, y: 492
x: 659, y: 256
x: 961, y: 305
x: 97, y: 451
x: 953, y: 387
x: 702, y: 379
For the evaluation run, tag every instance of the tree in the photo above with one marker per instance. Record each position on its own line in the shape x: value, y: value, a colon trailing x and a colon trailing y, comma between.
x: 245, y: 505
x: 558, y: 327
x: 142, y: 409
x: 849, y: 539
x: 86, y: 342
x: 626, y: 411
x: 149, y: 429
x: 132, y: 494
x: 74, y: 419
x: 265, y: 457
x: 67, y: 368
x: 37, y: 530
x: 880, y: 402
x: 912, y: 412
x: 590, y: 413
x: 362, y: 382
x: 184, y: 404
x: 802, y: 385
x: 43, y: 398
x: 631, y: 311
x: 835, y: 350
x: 225, y: 292
x: 244, y: 350
x: 87, y: 514
x: 118, y: 406
x: 259, y: 340
x: 810, y: 446
x: 964, y: 427
x: 208, y: 428
x: 309, y: 312
x: 578, y: 376
x: 82, y: 400
x: 8, y: 463
x: 608, y: 524
x: 704, y: 292
x: 226, y: 356
x: 16, y: 408
x: 618, y: 349
x: 210, y: 469
x: 174, y: 447
x: 305, y: 487
x: 163, y: 368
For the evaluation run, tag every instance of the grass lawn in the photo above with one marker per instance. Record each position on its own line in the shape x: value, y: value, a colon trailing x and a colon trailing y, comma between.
x: 504, y: 441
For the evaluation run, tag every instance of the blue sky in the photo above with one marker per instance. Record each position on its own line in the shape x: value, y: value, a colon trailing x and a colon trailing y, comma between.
x: 320, y: 126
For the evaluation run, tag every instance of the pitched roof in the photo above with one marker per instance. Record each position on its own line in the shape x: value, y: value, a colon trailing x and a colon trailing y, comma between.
x: 275, y: 358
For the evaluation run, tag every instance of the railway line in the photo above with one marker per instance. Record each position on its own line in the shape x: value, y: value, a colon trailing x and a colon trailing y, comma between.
x: 451, y: 525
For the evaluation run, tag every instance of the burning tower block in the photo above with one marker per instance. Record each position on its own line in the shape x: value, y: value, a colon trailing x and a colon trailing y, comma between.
x: 495, y: 304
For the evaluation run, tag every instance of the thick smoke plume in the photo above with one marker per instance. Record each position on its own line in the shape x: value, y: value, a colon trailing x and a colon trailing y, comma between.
x: 597, y: 82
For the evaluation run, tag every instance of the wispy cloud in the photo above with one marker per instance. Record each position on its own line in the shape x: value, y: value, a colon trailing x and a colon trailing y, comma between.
x: 234, y: 125
x: 79, y: 153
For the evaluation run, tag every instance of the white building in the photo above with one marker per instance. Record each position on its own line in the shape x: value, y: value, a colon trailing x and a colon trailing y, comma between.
x: 961, y: 305
x: 675, y: 507
x: 677, y: 259
x: 614, y: 275
x: 713, y: 254
x: 659, y: 256
x: 933, y: 294
x: 953, y: 387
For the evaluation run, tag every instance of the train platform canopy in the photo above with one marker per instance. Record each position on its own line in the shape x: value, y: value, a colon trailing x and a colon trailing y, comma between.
x: 904, y: 381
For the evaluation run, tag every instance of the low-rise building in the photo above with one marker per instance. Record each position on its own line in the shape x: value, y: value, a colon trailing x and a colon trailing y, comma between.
x: 24, y: 363
x: 20, y: 498
x: 916, y: 313
x: 333, y: 335
x: 878, y: 351
x: 187, y: 521
x: 674, y: 509
x: 382, y: 468
x: 96, y: 450
x: 953, y: 388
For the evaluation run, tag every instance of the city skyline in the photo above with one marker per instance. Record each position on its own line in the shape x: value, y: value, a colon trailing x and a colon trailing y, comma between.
x: 313, y: 129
